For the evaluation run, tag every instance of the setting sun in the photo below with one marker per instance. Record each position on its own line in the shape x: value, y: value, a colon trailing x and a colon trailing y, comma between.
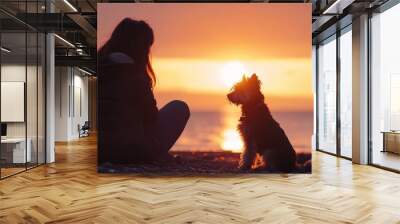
x: 232, y: 72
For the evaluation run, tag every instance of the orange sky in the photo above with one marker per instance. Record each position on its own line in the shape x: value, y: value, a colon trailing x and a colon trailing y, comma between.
x: 195, y: 43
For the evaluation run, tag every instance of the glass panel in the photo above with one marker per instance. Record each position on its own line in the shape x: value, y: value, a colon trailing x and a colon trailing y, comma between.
x: 13, y: 86
x: 23, y: 90
x: 327, y: 96
x: 346, y: 94
x: 314, y: 84
x: 385, y: 128
x: 41, y: 98
x: 31, y: 98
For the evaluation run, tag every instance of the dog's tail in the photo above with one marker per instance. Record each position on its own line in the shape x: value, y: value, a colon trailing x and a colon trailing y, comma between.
x: 304, y: 167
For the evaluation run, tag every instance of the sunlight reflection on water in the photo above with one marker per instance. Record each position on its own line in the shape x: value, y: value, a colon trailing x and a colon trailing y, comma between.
x: 231, y: 139
x: 211, y: 131
x: 216, y: 131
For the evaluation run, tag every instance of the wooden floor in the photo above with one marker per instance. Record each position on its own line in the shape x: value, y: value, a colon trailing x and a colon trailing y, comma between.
x: 387, y: 159
x: 71, y: 191
x: 10, y: 171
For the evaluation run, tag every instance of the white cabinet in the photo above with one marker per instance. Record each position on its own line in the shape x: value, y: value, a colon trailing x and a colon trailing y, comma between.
x: 16, y: 149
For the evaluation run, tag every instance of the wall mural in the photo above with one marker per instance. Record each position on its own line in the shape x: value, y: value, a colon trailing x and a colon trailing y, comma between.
x: 204, y: 88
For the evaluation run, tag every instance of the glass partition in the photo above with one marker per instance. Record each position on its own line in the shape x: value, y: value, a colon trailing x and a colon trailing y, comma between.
x: 41, y: 97
x: 346, y: 93
x: 31, y: 99
x: 385, y: 89
x: 14, y: 153
x: 327, y: 95
x: 22, y: 101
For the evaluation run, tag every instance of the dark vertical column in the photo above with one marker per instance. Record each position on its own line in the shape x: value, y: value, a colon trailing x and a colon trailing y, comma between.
x: 1, y: 164
x: 37, y: 90
x: 45, y: 88
x: 317, y: 97
x: 26, y: 86
x: 338, y: 77
x: 369, y: 100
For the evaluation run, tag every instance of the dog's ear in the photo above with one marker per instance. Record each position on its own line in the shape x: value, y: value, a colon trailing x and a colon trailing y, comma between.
x: 254, y: 77
x: 244, y: 77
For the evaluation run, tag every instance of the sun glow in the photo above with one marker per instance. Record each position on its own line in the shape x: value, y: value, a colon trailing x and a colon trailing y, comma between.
x: 232, y: 72
x: 232, y: 141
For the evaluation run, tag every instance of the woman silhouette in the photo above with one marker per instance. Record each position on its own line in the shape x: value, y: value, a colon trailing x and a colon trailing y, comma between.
x: 131, y: 128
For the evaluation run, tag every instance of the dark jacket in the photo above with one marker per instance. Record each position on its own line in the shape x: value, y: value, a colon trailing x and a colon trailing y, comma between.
x: 127, y: 112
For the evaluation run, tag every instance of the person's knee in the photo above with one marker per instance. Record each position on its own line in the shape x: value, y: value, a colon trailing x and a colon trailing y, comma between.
x: 182, y: 107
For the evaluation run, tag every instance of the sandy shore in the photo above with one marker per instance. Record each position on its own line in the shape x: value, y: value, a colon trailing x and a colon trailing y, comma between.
x: 197, y: 162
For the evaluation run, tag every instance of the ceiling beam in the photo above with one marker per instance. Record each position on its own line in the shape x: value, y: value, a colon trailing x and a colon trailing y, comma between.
x: 81, y: 61
x: 86, y: 26
x: 337, y: 6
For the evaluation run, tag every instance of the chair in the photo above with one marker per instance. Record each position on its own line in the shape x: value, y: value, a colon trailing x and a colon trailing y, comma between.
x: 84, y: 130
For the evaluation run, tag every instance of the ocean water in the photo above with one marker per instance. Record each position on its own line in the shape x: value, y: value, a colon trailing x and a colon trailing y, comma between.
x: 216, y: 131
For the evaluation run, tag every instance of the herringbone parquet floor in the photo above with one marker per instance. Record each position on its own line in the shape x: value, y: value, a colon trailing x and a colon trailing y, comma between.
x: 71, y: 191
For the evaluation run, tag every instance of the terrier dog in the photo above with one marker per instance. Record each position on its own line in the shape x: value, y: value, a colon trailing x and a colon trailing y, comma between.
x: 260, y: 132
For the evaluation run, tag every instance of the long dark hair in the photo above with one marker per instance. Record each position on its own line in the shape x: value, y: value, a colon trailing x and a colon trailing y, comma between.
x: 133, y: 38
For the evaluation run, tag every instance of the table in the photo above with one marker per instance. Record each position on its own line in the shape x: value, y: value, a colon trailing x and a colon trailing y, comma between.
x: 391, y: 141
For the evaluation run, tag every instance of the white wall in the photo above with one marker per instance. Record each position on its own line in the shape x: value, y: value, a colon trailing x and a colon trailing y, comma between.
x: 80, y: 103
x: 70, y: 83
x: 62, y: 82
x: 12, y: 73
